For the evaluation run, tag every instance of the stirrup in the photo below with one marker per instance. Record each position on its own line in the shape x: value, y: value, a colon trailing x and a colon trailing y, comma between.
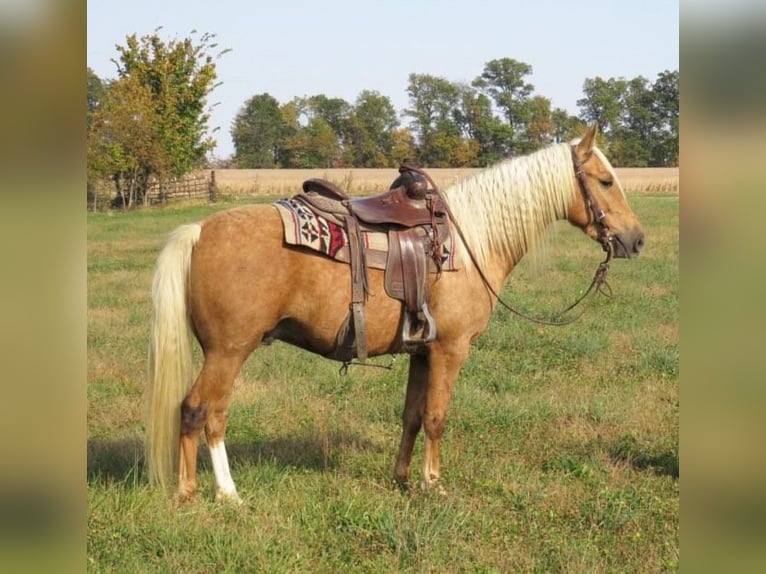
x: 428, y: 332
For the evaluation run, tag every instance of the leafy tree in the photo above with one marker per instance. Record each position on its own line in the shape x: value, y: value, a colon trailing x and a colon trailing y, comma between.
x: 170, y: 82
x: 639, y: 121
x: 450, y: 150
x: 122, y: 142
x: 602, y: 103
x: 334, y: 111
x: 287, y: 154
x: 258, y: 132
x: 539, y: 130
x: 633, y: 141
x: 313, y: 145
x: 504, y: 81
x: 434, y: 102
x: 402, y: 145
x: 488, y: 135
x: 95, y: 93
x: 322, y: 144
x: 666, y: 98
x: 565, y: 126
x: 371, y: 125
x: 313, y: 131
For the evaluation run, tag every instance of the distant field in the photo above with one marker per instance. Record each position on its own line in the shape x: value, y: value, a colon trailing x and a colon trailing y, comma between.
x: 364, y: 181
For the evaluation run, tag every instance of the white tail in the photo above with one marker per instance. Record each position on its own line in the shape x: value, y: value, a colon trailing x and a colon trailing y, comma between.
x: 170, y: 355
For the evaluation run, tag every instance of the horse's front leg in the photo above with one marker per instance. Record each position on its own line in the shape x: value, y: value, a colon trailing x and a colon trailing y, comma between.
x: 445, y: 363
x: 412, y: 418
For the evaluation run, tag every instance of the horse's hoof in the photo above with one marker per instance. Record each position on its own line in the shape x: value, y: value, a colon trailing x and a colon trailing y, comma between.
x: 435, y: 486
x: 228, y: 498
x: 186, y: 497
x: 404, y: 486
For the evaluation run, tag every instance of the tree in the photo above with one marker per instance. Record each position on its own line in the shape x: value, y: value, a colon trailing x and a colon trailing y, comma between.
x: 287, y: 154
x: 313, y: 131
x: 539, y: 131
x: 371, y: 125
x: 503, y: 81
x: 602, y: 103
x: 665, y: 88
x: 258, y: 132
x: 634, y: 139
x: 639, y: 121
x: 434, y: 102
x: 95, y: 93
x: 402, y: 145
x: 565, y: 127
x: 122, y: 143
x: 321, y: 144
x: 313, y: 145
x: 490, y: 137
x: 450, y: 150
x: 170, y: 82
x: 334, y: 111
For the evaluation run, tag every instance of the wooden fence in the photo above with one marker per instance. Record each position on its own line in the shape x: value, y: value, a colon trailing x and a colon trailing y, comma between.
x: 198, y: 186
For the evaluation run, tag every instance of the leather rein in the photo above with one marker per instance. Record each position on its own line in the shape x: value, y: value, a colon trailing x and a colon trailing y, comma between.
x: 606, y: 239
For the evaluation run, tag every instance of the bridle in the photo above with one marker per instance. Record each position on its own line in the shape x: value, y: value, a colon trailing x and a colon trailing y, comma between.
x: 606, y: 239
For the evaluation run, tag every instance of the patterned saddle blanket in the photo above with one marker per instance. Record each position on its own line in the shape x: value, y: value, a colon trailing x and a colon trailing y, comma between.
x: 306, y: 228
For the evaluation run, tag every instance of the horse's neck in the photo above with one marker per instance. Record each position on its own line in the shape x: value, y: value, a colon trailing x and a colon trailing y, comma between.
x: 504, y: 211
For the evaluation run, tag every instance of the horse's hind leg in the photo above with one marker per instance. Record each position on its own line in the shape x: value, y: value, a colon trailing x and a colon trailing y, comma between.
x: 206, y: 406
x: 412, y: 418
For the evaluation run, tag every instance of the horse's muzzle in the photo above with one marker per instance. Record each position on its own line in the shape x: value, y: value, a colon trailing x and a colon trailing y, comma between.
x: 627, y: 244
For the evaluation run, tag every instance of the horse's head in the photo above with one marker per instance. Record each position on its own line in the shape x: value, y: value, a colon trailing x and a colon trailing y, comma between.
x: 600, y: 208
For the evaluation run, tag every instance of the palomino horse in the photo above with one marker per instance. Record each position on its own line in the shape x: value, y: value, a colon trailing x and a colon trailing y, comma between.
x: 233, y: 282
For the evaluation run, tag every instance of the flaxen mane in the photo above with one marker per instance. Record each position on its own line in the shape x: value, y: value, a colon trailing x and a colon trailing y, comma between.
x: 504, y: 210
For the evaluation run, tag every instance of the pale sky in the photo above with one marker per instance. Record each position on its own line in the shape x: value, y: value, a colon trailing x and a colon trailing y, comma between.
x: 339, y: 48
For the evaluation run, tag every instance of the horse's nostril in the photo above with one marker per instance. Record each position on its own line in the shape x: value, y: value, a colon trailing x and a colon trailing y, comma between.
x: 639, y: 244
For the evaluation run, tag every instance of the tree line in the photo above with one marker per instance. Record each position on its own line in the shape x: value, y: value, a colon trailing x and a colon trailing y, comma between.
x: 151, y: 121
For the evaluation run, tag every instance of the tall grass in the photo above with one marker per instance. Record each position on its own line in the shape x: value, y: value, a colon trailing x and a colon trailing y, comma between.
x: 561, y: 451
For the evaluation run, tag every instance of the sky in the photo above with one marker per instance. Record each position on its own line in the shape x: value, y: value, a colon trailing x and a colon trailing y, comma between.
x: 339, y: 48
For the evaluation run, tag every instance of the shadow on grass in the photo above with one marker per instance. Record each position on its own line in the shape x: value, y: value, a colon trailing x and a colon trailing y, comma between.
x: 114, y: 460
x: 122, y: 459
x: 628, y: 451
x: 315, y: 452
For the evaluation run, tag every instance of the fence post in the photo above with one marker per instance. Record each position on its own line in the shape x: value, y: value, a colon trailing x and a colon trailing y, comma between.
x: 213, y: 189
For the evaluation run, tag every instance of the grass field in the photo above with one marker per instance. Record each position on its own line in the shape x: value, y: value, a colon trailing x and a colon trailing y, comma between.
x: 560, y: 455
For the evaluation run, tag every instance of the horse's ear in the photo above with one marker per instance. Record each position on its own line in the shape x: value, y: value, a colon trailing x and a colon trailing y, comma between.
x: 586, y: 144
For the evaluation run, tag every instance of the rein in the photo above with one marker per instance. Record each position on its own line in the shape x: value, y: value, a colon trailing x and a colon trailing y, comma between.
x: 598, y: 284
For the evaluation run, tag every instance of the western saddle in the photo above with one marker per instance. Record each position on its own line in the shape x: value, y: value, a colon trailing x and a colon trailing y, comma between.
x: 415, y: 220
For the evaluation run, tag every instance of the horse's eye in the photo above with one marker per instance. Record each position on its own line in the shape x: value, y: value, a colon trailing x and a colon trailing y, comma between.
x: 606, y: 183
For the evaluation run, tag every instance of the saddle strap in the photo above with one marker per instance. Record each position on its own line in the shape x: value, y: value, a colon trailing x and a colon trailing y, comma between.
x: 407, y: 268
x: 359, y: 285
x: 415, y: 270
x: 406, y: 279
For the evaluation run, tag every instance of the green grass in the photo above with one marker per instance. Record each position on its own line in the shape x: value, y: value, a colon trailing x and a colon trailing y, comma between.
x: 560, y: 455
